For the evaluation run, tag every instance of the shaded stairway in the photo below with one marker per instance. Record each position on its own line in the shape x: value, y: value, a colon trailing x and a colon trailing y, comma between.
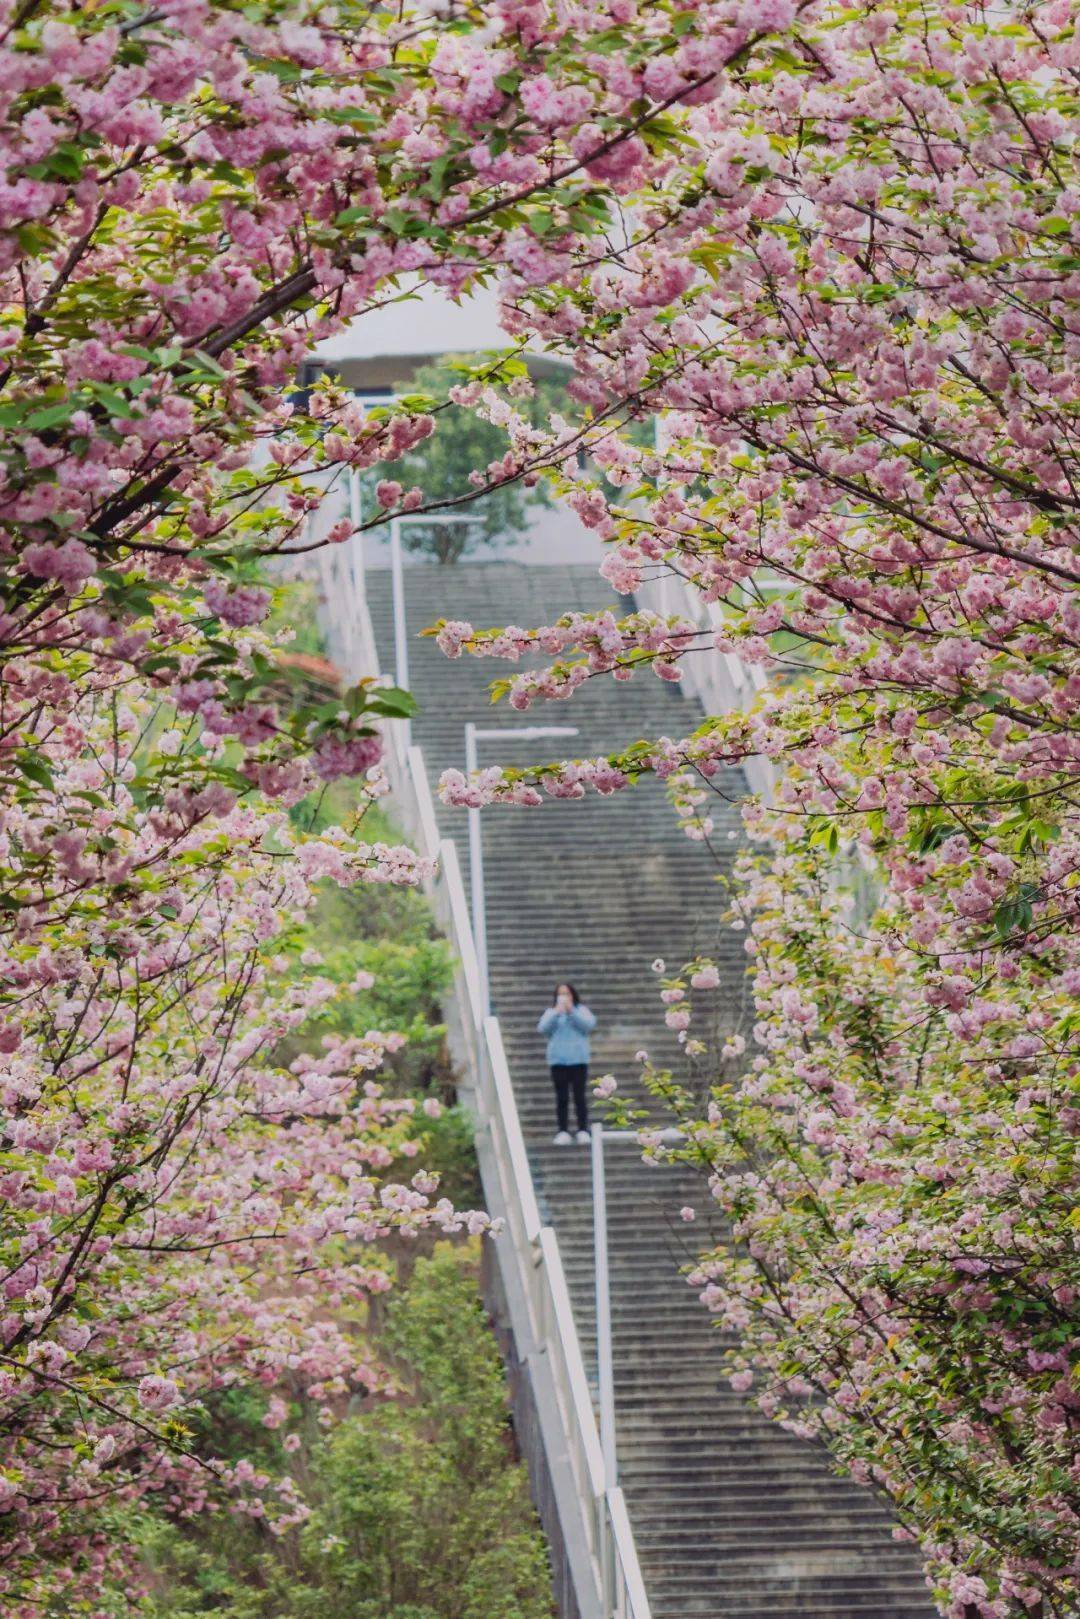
x: 732, y: 1517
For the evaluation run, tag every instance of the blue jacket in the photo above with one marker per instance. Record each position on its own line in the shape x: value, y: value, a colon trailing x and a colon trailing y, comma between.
x: 568, y: 1035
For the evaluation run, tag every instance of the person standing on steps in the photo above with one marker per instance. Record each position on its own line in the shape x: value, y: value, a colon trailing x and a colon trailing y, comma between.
x: 567, y: 1023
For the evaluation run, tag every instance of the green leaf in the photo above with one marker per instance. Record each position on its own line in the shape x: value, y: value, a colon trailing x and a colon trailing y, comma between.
x: 435, y: 185
x: 288, y: 72
x: 231, y: 778
x: 114, y: 402
x: 1015, y: 914
x: 397, y: 220
x: 393, y: 701
x: 931, y: 835
x: 208, y: 363
x: 352, y: 115
x: 52, y: 415
x: 34, y: 768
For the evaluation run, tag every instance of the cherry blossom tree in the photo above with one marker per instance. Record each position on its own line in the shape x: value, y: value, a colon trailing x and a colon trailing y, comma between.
x: 193, y: 195
x: 889, y: 1195
x: 179, y: 1211
x: 848, y: 292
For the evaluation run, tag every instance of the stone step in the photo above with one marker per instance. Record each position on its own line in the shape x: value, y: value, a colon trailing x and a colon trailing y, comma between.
x: 821, y: 1497
x: 721, y: 1500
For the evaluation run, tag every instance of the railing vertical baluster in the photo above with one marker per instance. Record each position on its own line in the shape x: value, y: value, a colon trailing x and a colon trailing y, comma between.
x: 604, y: 1360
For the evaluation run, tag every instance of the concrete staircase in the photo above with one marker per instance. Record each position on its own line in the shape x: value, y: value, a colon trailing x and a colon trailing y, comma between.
x: 733, y: 1518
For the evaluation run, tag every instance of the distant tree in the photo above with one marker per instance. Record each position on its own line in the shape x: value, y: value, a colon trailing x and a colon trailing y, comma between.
x: 462, y: 445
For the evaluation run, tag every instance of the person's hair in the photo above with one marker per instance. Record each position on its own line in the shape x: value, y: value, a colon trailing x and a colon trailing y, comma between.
x: 574, y: 996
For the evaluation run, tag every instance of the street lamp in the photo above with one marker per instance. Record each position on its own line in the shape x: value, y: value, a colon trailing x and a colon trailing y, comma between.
x: 473, y: 734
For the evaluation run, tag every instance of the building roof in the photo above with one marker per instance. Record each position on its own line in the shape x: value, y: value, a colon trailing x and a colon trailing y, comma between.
x: 424, y: 324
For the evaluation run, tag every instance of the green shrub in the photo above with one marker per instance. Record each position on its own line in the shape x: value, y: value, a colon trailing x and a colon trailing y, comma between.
x: 447, y: 1147
x: 419, y: 1508
x: 388, y: 932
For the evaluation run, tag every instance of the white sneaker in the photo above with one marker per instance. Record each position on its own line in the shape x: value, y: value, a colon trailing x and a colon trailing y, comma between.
x: 563, y: 1139
x: 583, y: 1138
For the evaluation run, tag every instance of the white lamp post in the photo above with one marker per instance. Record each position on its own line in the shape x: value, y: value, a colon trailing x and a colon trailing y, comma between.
x: 473, y: 734
x: 397, y: 580
x: 605, y: 1366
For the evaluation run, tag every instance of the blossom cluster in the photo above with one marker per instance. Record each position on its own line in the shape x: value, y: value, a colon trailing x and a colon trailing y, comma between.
x: 607, y: 644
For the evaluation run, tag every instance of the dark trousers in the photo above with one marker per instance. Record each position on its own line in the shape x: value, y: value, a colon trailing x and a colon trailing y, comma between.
x: 573, y: 1075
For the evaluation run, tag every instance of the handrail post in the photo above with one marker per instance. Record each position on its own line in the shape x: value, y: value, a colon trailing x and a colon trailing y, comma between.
x: 604, y: 1357
x: 401, y: 635
x: 478, y: 902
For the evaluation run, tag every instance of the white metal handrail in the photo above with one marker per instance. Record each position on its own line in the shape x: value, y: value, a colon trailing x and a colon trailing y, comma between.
x: 544, y: 1323
x: 506, y: 1107
x: 630, y: 1587
x: 550, y: 1323
x: 457, y: 923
